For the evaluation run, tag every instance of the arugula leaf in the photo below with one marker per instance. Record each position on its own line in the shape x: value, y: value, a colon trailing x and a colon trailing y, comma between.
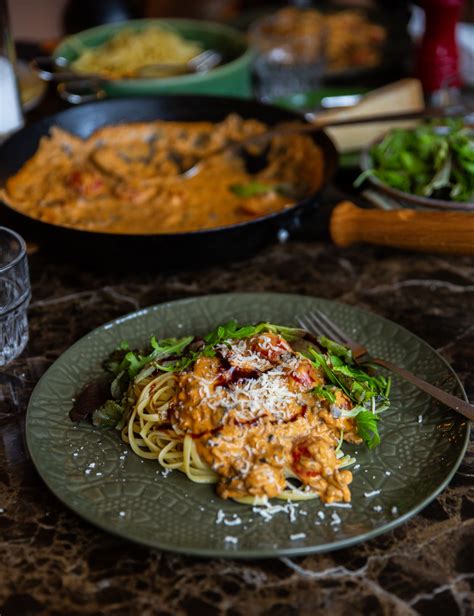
x: 324, y: 391
x: 432, y: 160
x: 336, y: 349
x: 232, y: 330
x: 290, y: 334
x: 119, y: 385
x: 355, y: 382
x: 114, y: 361
x: 320, y: 362
x: 251, y: 189
x: 133, y: 361
x: 367, y: 428
x: 108, y: 415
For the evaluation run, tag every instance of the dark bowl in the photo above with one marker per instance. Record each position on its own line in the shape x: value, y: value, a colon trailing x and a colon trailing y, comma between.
x: 407, y: 199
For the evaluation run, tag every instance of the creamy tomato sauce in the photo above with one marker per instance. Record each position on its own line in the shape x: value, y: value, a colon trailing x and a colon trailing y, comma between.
x: 255, y: 420
x: 129, y: 178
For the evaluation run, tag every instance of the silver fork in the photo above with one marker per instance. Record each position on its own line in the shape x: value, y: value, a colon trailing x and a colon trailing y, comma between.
x: 318, y: 323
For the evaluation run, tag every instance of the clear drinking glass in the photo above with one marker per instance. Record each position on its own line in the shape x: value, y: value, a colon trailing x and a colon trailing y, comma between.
x: 287, y: 61
x: 15, y: 293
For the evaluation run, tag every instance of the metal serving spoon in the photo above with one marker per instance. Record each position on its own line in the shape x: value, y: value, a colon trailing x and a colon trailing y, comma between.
x: 203, y: 62
x: 59, y: 69
x: 78, y: 88
x: 316, y: 124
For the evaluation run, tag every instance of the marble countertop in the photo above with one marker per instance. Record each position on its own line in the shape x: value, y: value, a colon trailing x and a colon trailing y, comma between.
x: 53, y: 562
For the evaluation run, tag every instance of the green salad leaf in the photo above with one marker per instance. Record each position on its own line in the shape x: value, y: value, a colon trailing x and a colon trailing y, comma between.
x: 133, y: 361
x: 232, y: 330
x: 325, y: 391
x: 336, y: 349
x: 368, y: 391
x: 251, y: 189
x: 255, y: 188
x: 367, y: 428
x: 108, y: 415
x: 432, y: 160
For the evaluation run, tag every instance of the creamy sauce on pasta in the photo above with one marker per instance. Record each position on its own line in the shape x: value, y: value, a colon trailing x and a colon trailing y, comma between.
x: 254, y: 420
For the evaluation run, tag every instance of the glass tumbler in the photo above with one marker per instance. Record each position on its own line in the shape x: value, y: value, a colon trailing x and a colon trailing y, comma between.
x: 15, y: 293
x: 288, y: 60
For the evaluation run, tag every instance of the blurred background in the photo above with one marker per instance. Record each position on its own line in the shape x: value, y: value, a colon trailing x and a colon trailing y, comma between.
x: 389, y: 52
x: 34, y: 20
x: 311, y: 56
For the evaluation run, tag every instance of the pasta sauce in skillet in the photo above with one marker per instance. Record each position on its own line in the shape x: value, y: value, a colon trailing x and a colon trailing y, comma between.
x: 130, y: 178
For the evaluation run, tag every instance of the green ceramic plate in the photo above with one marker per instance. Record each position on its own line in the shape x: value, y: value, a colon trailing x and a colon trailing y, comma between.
x: 95, y: 475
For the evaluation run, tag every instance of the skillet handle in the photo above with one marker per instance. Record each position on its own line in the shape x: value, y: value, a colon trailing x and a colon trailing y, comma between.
x: 446, y: 232
x: 81, y: 91
x: 52, y: 69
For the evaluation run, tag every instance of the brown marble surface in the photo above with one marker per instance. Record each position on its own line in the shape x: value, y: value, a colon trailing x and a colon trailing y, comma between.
x: 53, y: 562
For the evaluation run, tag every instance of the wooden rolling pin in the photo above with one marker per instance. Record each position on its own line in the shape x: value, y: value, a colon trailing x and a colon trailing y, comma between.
x: 447, y: 232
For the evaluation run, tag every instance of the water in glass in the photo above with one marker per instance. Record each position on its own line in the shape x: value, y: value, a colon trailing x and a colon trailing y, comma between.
x: 14, y: 295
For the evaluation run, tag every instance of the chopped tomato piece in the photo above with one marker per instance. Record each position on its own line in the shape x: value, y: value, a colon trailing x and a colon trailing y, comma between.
x: 86, y: 183
x: 303, y: 463
x: 306, y: 375
x: 271, y: 346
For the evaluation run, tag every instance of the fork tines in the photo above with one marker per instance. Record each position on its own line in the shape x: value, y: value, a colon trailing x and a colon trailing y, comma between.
x: 316, y: 322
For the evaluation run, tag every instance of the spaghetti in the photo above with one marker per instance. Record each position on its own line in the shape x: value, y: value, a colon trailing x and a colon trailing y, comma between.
x: 127, y: 51
x: 245, y: 409
x: 148, y: 439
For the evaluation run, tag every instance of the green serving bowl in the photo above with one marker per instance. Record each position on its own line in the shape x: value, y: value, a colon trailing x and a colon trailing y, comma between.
x: 231, y: 78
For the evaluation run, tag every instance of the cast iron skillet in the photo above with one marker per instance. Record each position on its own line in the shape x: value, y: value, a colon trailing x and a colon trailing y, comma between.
x: 162, y: 251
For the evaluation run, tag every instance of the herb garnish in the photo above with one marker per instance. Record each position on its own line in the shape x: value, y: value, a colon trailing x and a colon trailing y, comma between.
x: 251, y: 189
x: 366, y: 422
x: 254, y: 188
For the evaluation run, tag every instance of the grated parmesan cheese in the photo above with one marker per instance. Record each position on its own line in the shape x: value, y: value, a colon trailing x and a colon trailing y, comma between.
x: 297, y: 536
x: 234, y: 522
x: 340, y: 505
x: 373, y: 493
x: 249, y: 399
x: 269, y: 511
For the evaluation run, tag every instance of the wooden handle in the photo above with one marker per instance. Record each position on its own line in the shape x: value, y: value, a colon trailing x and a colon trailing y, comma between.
x: 449, y: 232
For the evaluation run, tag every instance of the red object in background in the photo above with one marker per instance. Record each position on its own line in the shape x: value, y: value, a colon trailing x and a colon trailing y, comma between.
x: 438, y: 55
